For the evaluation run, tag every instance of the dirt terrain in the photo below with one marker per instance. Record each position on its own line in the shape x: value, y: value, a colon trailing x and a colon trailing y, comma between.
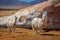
x: 27, y: 34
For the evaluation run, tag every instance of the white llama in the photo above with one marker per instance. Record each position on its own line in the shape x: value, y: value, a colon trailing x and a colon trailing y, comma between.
x: 39, y: 23
x: 11, y: 24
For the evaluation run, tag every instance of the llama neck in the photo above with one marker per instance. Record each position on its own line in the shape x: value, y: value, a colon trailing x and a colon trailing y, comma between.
x: 44, y: 17
x: 15, y: 20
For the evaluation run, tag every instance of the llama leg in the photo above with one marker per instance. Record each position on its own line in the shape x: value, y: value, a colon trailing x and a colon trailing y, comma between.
x: 34, y: 30
x: 9, y: 28
x: 13, y: 28
x: 40, y: 31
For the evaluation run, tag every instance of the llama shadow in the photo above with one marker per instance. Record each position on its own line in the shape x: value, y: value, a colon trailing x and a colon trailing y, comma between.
x: 13, y: 37
x: 49, y: 35
x: 47, y: 30
x: 0, y: 35
x: 19, y: 32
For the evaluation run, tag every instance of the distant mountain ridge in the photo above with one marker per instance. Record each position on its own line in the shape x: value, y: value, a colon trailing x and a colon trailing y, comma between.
x: 18, y: 3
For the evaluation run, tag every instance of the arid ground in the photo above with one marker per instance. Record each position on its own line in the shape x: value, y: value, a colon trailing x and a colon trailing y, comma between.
x: 6, y: 13
x: 27, y: 34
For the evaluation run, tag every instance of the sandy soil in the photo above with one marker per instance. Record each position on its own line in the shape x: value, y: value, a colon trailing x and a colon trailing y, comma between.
x: 27, y: 34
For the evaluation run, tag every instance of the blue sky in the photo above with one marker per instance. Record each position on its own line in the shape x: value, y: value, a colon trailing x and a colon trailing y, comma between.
x: 19, y: 2
x: 26, y: 0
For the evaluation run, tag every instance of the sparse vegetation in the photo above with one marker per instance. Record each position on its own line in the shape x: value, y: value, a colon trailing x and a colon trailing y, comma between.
x: 28, y: 35
x: 6, y: 13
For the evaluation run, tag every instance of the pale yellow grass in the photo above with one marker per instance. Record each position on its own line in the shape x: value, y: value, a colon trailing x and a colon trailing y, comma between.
x: 6, y: 13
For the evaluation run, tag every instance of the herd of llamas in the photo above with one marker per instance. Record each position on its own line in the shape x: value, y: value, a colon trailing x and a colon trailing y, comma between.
x: 36, y: 23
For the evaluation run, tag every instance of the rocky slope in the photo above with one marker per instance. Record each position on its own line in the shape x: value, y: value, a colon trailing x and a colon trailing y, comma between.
x: 35, y: 10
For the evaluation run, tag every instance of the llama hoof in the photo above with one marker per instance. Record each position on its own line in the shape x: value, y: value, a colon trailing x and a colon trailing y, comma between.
x: 37, y: 33
x: 34, y: 33
x: 10, y: 31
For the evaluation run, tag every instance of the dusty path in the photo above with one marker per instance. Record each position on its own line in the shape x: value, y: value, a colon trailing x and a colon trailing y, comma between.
x: 27, y: 34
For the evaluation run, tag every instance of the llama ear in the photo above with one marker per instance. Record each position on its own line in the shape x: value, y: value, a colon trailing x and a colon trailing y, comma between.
x: 42, y: 21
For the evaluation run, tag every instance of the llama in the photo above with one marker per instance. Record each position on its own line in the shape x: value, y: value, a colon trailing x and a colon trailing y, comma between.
x: 39, y: 23
x: 11, y: 24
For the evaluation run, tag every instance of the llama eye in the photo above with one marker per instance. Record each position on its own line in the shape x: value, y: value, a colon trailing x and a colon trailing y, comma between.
x: 43, y: 25
x: 51, y: 12
x: 48, y: 22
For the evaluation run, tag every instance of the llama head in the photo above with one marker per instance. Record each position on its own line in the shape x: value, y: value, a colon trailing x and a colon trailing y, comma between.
x: 44, y: 12
x: 44, y: 16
